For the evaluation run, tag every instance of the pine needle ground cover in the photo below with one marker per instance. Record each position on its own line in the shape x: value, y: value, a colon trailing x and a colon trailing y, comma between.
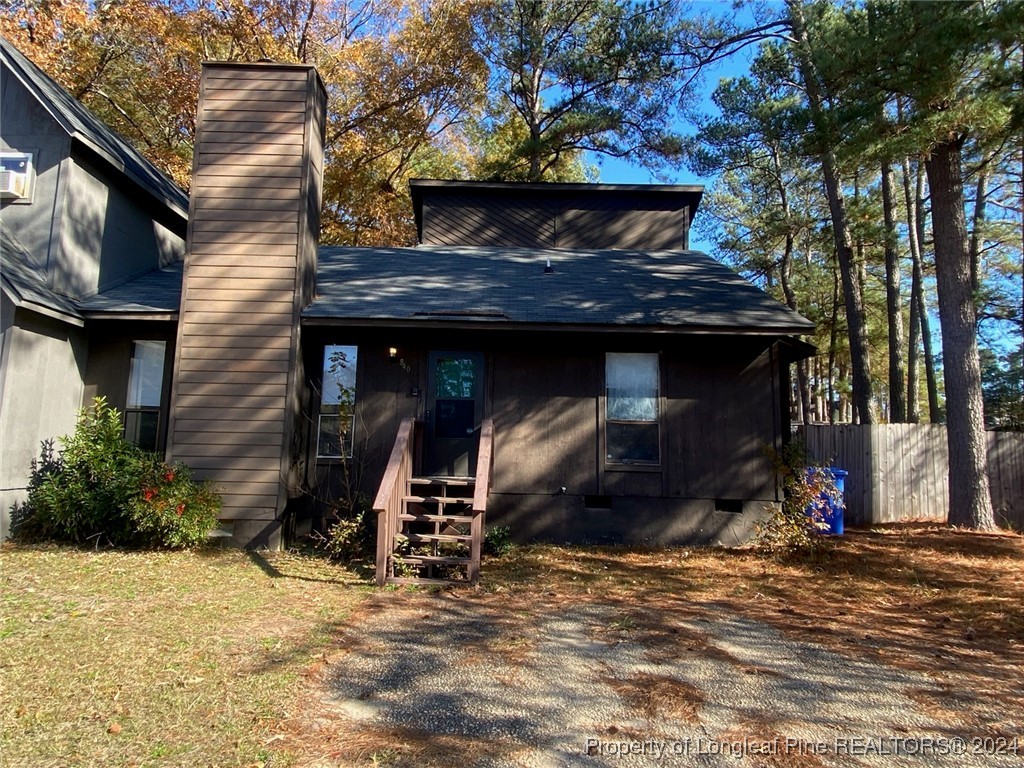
x: 224, y: 658
x: 946, y: 602
x: 942, y: 607
x: 170, y: 658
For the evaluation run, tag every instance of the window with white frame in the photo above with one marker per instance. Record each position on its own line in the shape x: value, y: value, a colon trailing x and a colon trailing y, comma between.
x: 145, y: 392
x: 632, y: 434
x: 337, y: 402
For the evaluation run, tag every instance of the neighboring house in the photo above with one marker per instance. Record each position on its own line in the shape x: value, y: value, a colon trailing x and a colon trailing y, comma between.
x: 82, y: 213
x: 619, y: 387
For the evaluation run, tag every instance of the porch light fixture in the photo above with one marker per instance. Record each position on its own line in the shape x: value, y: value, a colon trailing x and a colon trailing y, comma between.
x: 548, y: 269
x: 392, y: 352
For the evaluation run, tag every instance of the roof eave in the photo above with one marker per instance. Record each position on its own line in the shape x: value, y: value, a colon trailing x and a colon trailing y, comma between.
x: 797, y: 349
x: 21, y: 302
x: 559, y: 185
x: 497, y: 324
x: 106, y: 314
x: 40, y: 309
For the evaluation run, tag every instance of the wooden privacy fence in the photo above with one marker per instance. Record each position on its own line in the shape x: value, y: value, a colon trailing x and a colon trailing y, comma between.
x: 901, y: 471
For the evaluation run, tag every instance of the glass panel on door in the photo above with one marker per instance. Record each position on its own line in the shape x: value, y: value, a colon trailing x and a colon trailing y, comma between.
x: 454, y: 412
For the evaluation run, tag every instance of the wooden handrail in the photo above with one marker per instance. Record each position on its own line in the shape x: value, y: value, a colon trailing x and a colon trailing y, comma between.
x: 388, y: 504
x: 482, y: 487
x: 481, y: 490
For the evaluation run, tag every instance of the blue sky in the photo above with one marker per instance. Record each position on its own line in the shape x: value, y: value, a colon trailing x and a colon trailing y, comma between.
x: 617, y: 171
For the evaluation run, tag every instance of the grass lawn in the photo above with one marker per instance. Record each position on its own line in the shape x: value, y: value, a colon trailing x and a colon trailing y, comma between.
x: 134, y: 659
x: 169, y: 658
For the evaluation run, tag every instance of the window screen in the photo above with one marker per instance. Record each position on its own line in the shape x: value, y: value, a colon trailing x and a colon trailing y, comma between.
x: 631, y: 419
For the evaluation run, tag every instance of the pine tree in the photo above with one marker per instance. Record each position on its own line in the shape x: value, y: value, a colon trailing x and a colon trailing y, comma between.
x: 953, y: 63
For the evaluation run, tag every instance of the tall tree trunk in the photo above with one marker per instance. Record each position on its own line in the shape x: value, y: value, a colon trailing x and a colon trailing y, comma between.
x: 913, y: 348
x: 897, y: 396
x: 833, y: 339
x: 786, y: 275
x: 859, y: 354
x: 861, y: 274
x: 934, y: 412
x: 977, y: 232
x: 970, y: 505
x: 820, y: 411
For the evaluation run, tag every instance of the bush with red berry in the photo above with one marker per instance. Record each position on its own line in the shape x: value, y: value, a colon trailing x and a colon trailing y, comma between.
x: 101, y: 488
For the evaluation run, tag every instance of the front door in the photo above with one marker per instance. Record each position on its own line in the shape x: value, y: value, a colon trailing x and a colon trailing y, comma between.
x: 455, y: 407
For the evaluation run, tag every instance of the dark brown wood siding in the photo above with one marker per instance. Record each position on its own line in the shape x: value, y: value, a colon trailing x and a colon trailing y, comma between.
x: 495, y: 218
x: 453, y: 218
x: 722, y: 413
x: 719, y: 414
x: 546, y: 422
x: 610, y: 223
x: 253, y: 224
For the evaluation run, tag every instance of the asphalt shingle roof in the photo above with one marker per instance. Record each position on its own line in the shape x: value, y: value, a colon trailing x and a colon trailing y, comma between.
x: 84, y: 126
x: 684, y: 289
x: 669, y: 289
x: 156, y: 291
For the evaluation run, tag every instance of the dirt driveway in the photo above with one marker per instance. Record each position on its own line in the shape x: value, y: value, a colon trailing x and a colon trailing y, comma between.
x: 469, y: 678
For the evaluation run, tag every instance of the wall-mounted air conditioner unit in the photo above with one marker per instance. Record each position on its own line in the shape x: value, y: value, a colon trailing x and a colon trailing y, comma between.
x: 13, y: 186
x: 16, y: 176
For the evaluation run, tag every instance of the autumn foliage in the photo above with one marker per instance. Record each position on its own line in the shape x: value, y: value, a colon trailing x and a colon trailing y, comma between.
x: 401, y: 77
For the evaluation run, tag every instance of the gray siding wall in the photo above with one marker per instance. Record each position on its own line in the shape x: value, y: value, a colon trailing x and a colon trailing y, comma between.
x: 564, y: 220
x: 41, y: 371
x: 253, y: 222
x: 109, y: 369
x: 27, y: 127
x: 85, y: 231
x: 85, y: 226
x: 107, y: 237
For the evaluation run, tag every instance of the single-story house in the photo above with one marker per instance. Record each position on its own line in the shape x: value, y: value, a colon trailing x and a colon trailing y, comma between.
x: 552, y: 356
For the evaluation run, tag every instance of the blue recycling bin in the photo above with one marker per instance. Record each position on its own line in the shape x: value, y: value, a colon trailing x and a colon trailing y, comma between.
x: 832, y: 507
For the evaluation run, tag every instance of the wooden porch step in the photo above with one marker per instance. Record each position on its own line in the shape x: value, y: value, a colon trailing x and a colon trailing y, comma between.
x: 460, y: 482
x: 437, y: 500
x: 411, y: 580
x: 431, y: 560
x: 427, y: 518
x: 419, y: 538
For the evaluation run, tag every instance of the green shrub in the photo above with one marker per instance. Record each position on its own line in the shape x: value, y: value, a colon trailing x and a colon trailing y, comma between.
x: 101, y: 487
x: 796, y: 526
x: 173, y: 510
x: 345, y: 539
x: 498, y: 541
x: 351, y: 536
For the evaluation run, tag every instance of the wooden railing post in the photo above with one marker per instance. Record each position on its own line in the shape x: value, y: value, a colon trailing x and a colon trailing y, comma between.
x: 388, y: 504
x: 481, y: 490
